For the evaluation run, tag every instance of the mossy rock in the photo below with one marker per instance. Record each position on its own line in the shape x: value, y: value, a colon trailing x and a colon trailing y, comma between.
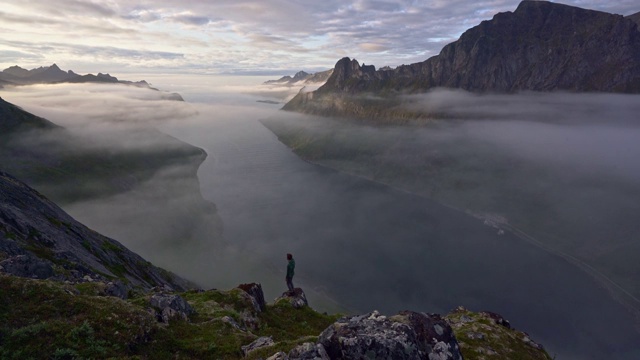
x: 482, y: 336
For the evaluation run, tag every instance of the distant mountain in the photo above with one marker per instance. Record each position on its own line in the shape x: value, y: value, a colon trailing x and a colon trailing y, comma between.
x: 15, y: 75
x: 302, y: 78
x: 68, y: 168
x: 541, y: 46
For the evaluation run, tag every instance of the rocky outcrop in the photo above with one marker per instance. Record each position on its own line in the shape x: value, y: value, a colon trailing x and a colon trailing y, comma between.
x: 308, y: 351
x: 170, y: 306
x: 257, y: 296
x: 260, y: 343
x: 489, y: 335
x: 541, y: 46
x: 408, y: 335
x: 296, y: 298
x: 39, y: 240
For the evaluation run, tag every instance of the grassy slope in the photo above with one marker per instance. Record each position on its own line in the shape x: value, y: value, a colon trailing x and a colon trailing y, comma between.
x: 45, y: 319
x: 41, y: 319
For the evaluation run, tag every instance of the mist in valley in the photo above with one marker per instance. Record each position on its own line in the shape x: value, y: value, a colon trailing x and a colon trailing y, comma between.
x: 556, y: 165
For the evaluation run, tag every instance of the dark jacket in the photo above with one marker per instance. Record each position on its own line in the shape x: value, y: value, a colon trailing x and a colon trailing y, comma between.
x: 290, y: 268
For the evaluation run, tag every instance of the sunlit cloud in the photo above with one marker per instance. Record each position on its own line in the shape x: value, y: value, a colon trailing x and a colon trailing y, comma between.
x: 317, y: 34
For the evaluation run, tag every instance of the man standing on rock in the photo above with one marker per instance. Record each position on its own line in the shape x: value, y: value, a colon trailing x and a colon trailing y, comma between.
x: 290, y: 269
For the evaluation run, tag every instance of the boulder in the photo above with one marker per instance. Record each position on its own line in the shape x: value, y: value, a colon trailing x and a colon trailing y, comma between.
x: 309, y: 351
x: 169, y: 307
x: 278, y: 356
x: 497, y: 319
x: 434, y: 335
x: 117, y: 289
x: 408, y: 335
x: 296, y: 298
x: 255, y: 291
x: 27, y: 266
x: 261, y: 342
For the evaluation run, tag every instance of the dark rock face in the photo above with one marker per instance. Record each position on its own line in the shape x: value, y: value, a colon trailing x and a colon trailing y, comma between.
x: 170, y: 306
x: 497, y: 319
x: 407, y: 335
x: 635, y: 18
x: 433, y: 333
x: 541, y: 46
x: 27, y: 266
x: 39, y: 240
x: 255, y: 291
x: 296, y: 298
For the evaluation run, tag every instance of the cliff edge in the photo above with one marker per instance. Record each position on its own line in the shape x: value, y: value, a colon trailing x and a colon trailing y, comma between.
x: 541, y: 46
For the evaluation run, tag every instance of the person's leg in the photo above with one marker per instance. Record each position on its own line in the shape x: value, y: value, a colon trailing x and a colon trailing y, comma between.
x: 290, y: 284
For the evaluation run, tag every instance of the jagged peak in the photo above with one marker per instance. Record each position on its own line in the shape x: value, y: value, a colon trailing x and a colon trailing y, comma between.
x: 529, y: 6
x: 14, y: 67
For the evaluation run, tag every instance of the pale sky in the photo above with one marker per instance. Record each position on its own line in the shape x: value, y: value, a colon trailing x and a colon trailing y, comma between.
x: 239, y: 36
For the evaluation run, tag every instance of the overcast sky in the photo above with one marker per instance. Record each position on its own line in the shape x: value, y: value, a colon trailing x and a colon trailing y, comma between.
x: 239, y: 36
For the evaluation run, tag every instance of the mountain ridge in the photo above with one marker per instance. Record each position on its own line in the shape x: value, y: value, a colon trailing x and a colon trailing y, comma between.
x: 40, y: 240
x: 16, y: 75
x: 541, y: 46
x: 302, y: 77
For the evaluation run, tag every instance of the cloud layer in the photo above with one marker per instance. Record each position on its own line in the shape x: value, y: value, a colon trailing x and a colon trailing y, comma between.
x: 239, y: 36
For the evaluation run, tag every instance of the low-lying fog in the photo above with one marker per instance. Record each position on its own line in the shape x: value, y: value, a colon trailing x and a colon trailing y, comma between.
x: 368, y: 246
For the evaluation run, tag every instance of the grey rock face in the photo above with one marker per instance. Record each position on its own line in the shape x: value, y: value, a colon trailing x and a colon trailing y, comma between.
x: 260, y: 343
x: 407, y: 335
x: 170, y: 307
x: 309, y: 351
x: 434, y: 335
x: 296, y: 298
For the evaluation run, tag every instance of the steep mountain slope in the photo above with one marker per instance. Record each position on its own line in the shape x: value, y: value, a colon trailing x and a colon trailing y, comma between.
x: 67, y: 167
x: 40, y: 240
x: 14, y: 120
x: 541, y: 46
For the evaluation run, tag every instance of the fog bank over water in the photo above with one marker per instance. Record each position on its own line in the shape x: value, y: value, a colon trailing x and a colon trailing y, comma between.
x: 366, y: 245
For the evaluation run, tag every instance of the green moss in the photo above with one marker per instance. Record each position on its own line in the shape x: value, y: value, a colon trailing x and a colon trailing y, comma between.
x: 91, y: 288
x: 40, y: 318
x: 42, y: 252
x: 210, y: 340
x: 284, y: 322
x: 507, y: 343
x: 109, y: 246
x: 55, y: 221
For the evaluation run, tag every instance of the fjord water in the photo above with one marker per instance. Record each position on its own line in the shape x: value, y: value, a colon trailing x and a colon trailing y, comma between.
x: 369, y: 246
